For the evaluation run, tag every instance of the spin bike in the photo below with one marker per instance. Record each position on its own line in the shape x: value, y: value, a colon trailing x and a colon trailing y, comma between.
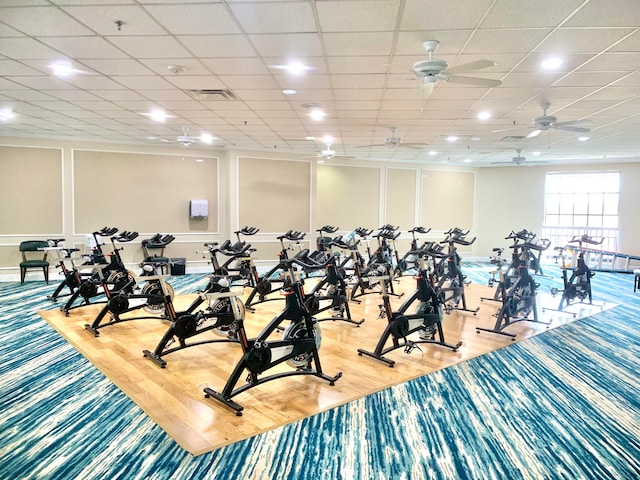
x: 106, y: 278
x: 237, y: 253
x: 451, y: 281
x: 409, y: 261
x: 578, y: 285
x: 274, y: 280
x: 221, y: 316
x: 519, y: 298
x: 426, y: 320
x: 380, y: 262
x: 333, y: 289
x: 298, y: 347
x: 72, y: 277
x: 155, y: 243
x: 322, y: 242
x: 151, y: 298
x: 507, y: 277
x: 241, y: 263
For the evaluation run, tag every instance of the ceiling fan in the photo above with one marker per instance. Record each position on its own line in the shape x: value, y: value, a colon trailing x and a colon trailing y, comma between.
x: 394, y: 142
x: 432, y: 70
x: 546, y: 122
x: 518, y: 160
x: 328, y: 153
x: 185, y: 140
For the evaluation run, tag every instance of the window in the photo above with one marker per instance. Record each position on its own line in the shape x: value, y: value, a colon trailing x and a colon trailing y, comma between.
x: 582, y: 203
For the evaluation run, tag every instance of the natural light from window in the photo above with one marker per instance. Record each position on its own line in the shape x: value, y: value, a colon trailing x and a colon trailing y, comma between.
x: 582, y: 203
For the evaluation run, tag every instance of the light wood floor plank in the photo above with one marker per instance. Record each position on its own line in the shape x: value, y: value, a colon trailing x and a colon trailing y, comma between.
x: 173, y: 397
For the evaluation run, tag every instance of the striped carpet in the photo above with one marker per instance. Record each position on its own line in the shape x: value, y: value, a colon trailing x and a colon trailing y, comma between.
x: 564, y: 404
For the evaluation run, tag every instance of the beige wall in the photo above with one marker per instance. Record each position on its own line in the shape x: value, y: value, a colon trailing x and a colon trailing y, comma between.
x: 85, y: 186
x: 512, y: 198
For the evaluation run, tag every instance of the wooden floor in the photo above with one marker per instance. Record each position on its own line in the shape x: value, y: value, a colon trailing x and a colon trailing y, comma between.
x: 173, y: 397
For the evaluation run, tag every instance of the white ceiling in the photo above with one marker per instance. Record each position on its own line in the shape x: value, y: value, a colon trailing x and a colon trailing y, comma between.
x: 361, y: 51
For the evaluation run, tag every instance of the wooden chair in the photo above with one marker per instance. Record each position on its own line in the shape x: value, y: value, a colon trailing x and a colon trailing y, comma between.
x: 29, y: 260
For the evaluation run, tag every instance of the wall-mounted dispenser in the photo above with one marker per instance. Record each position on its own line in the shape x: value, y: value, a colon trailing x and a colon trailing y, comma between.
x: 198, y: 209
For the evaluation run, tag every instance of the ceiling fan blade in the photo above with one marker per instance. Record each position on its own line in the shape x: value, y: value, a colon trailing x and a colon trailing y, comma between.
x: 535, y: 133
x: 471, y: 66
x: 574, y: 123
x: 480, y: 82
x: 370, y: 146
x: 414, y: 146
x: 572, y: 129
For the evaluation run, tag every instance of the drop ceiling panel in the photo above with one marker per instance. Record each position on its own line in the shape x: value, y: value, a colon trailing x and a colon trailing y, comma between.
x: 622, y: 13
x: 206, y: 46
x: 363, y: 16
x: 579, y: 40
x: 296, y: 46
x: 42, y: 21
x: 423, y: 15
x: 84, y: 47
x: 41, y: 82
x: 274, y: 17
x: 26, y: 48
x: 541, y: 13
x: 236, y: 66
x: 194, y: 19
x: 150, y: 46
x: 11, y: 67
x: 101, y: 18
x: 505, y: 41
x: 589, y: 79
x: 365, y: 43
x: 357, y: 64
x: 616, y: 61
x: 196, y: 82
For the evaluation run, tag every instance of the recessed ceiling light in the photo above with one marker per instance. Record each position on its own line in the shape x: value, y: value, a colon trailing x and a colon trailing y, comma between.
x: 535, y: 154
x: 484, y: 115
x: 320, y: 160
x: 452, y: 138
x: 206, y: 138
x: 583, y: 138
x: 309, y: 138
x: 552, y: 63
x: 64, y: 69
x: 327, y: 139
x: 467, y: 160
x: 157, y: 115
x: 475, y: 139
x: 289, y: 92
x: 317, y: 114
x: 295, y: 68
x: 433, y: 152
x: 6, y: 114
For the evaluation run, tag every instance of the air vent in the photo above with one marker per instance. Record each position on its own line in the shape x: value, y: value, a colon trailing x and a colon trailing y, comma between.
x: 212, y: 94
x: 512, y: 138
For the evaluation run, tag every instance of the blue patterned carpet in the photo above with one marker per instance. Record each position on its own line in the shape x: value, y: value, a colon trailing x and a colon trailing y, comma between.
x: 561, y: 405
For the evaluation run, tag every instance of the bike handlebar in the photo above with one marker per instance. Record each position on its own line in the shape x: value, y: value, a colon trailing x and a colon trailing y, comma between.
x: 247, y: 231
x: 125, y: 237
x: 586, y: 239
x: 327, y: 229
x: 106, y: 231
x: 420, y: 230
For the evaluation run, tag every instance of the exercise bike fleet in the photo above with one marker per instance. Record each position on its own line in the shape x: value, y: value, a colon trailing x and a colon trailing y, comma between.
x: 341, y: 270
